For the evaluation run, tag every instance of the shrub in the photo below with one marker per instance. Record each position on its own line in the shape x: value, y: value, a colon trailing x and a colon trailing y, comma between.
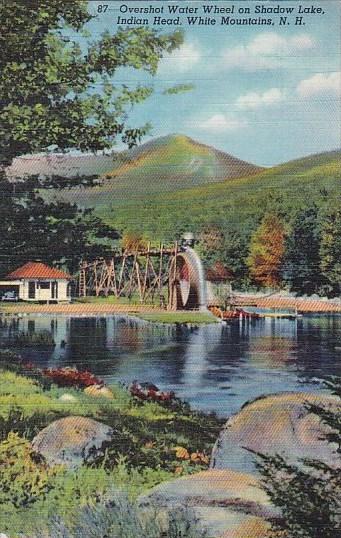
x: 24, y: 426
x: 24, y: 476
x: 118, y: 517
x: 72, y: 491
x: 70, y: 377
x: 34, y: 400
x: 309, y: 494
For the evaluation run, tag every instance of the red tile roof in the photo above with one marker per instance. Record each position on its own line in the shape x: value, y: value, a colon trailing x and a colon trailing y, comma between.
x: 37, y: 270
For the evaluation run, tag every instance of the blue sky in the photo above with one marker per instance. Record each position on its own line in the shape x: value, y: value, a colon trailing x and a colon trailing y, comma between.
x: 264, y: 94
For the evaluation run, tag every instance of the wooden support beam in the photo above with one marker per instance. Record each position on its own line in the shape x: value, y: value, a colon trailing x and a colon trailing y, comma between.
x: 145, y: 272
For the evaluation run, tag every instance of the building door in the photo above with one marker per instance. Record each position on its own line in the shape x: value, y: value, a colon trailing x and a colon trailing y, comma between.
x: 54, y: 290
x: 31, y: 290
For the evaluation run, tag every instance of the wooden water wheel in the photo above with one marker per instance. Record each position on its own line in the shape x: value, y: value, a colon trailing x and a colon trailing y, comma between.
x: 184, y: 283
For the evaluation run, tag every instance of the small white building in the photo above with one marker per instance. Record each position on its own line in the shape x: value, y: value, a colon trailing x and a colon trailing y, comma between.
x: 36, y: 281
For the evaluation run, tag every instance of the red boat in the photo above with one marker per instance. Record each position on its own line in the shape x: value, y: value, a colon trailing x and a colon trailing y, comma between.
x: 235, y: 314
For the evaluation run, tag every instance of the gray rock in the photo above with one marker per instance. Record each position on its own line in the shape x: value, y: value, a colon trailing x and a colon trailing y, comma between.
x: 276, y: 424
x: 225, y: 503
x: 70, y: 440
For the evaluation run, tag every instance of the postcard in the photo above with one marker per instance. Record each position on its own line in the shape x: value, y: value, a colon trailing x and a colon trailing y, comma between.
x: 170, y: 269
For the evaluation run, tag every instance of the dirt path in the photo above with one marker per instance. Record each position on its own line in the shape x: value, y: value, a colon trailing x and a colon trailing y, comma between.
x: 76, y: 308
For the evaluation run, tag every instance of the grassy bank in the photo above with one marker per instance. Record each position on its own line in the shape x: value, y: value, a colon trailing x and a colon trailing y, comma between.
x: 153, y: 443
x: 178, y: 317
x: 111, y: 299
x: 110, y: 305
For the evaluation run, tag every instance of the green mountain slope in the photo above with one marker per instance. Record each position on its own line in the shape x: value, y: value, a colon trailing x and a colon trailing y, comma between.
x: 162, y: 165
x: 235, y: 205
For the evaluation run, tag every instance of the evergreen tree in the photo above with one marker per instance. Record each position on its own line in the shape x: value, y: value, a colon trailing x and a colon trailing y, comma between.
x: 301, y: 267
x: 266, y: 251
x: 330, y: 250
x: 308, y: 495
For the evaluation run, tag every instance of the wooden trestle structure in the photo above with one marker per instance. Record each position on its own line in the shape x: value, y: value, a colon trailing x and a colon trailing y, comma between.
x: 144, y: 272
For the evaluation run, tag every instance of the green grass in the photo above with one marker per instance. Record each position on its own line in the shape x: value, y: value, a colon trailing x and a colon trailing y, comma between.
x: 72, y: 491
x: 147, y: 430
x: 18, y: 391
x: 111, y: 299
x: 178, y: 317
x: 142, y: 454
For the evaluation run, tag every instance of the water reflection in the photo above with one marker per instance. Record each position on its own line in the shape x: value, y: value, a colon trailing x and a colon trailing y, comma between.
x: 214, y: 367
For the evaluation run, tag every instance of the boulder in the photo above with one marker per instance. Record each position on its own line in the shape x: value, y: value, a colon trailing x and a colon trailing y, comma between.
x: 276, y: 424
x: 99, y: 391
x: 69, y: 441
x: 67, y: 398
x: 251, y: 527
x: 227, y: 503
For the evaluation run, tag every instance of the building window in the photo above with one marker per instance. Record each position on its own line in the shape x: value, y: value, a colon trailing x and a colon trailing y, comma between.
x: 44, y: 285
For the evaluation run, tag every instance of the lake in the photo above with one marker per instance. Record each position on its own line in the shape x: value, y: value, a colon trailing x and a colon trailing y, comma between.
x: 213, y: 367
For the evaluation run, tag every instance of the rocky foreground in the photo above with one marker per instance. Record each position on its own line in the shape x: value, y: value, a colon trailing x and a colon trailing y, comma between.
x: 228, y: 499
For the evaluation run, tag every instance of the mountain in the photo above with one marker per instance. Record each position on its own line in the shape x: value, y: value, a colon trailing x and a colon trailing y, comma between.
x: 165, y: 164
x: 173, y: 183
x: 235, y: 205
x: 179, y: 160
x: 62, y: 164
x: 171, y: 162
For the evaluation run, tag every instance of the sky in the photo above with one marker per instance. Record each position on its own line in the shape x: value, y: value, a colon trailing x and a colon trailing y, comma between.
x: 264, y: 94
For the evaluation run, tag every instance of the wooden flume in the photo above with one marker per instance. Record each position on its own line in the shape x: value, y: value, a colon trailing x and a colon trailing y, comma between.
x: 143, y: 272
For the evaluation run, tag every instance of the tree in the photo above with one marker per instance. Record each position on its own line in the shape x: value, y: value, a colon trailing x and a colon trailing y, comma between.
x: 211, y: 238
x: 266, y: 251
x: 133, y: 242
x: 236, y: 253
x: 59, y: 93
x: 301, y: 267
x: 221, y: 277
x: 330, y: 250
x: 308, y: 495
x: 225, y: 246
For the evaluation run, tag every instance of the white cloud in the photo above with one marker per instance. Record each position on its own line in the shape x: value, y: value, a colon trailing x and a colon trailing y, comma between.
x: 254, y: 100
x: 266, y: 51
x: 319, y: 84
x: 182, y: 59
x: 219, y: 123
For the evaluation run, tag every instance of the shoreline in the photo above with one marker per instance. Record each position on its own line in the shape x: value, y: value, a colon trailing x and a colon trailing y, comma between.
x: 77, y: 308
x: 300, y: 305
x: 146, y: 313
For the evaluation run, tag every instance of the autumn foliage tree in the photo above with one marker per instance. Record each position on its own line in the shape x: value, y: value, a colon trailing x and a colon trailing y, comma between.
x: 267, y: 251
x: 133, y: 242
